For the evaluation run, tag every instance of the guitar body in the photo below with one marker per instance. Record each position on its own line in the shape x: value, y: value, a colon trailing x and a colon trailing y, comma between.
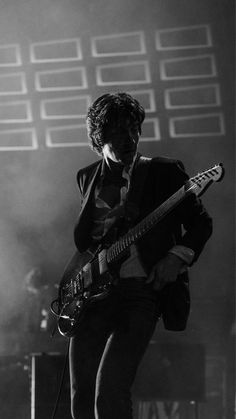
x: 86, y: 280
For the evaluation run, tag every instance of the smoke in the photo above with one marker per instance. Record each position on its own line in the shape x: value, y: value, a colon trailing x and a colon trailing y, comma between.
x: 39, y: 204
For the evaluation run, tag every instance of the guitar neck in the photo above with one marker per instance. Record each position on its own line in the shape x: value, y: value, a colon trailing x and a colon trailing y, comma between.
x: 197, y: 185
x: 132, y: 236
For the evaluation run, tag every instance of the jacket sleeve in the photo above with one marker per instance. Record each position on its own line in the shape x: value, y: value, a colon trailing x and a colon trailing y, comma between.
x: 194, y: 218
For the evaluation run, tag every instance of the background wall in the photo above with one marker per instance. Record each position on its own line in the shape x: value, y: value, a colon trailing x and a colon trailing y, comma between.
x: 56, y: 57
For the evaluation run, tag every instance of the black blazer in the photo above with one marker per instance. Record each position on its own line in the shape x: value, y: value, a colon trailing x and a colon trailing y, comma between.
x: 188, y: 225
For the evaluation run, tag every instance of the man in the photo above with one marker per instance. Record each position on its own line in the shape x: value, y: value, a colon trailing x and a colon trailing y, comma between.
x: 115, y: 331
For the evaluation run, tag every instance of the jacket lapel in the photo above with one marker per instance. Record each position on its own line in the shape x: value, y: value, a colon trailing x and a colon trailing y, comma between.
x: 89, y: 188
x: 82, y: 229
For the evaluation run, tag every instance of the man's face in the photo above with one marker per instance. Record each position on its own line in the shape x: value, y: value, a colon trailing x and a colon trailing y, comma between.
x: 122, y: 143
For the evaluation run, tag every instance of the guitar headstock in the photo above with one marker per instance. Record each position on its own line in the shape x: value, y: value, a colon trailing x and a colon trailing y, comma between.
x: 199, y: 183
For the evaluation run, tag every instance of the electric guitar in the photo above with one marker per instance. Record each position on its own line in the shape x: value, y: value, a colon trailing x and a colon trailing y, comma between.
x: 91, y: 278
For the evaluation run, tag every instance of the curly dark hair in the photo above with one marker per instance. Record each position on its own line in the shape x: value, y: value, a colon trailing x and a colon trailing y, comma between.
x: 110, y: 111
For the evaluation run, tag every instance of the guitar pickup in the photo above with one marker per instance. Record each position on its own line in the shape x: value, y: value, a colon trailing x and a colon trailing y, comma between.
x: 102, y: 261
x: 87, y: 275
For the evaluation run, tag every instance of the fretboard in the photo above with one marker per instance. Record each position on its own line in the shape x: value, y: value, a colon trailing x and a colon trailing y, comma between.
x: 117, y: 249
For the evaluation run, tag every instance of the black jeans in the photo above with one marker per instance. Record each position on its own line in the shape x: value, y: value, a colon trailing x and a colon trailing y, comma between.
x: 106, y: 351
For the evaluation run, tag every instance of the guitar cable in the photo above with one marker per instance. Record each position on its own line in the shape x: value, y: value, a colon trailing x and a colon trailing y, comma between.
x: 62, y: 378
x: 57, y: 313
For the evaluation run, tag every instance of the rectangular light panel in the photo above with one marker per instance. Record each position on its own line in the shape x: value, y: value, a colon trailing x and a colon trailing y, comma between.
x: 20, y: 139
x: 12, y: 84
x: 56, y: 51
x: 65, y: 108
x: 64, y: 79
x: 193, y: 96
x: 197, y: 36
x: 197, y: 126
x: 67, y: 136
x: 131, y: 43
x: 195, y: 67
x: 135, y: 72
x: 15, y: 112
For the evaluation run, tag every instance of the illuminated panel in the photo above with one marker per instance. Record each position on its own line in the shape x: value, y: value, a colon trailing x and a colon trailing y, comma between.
x: 15, y: 112
x: 67, y: 136
x: 193, y: 96
x: 65, y: 108
x: 197, y: 36
x: 131, y: 43
x: 10, y: 56
x: 63, y: 79
x: 188, y: 67
x: 197, y: 126
x: 12, y: 84
x: 21, y: 139
x: 136, y: 72
x: 54, y: 51
x: 146, y: 98
x: 150, y: 130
